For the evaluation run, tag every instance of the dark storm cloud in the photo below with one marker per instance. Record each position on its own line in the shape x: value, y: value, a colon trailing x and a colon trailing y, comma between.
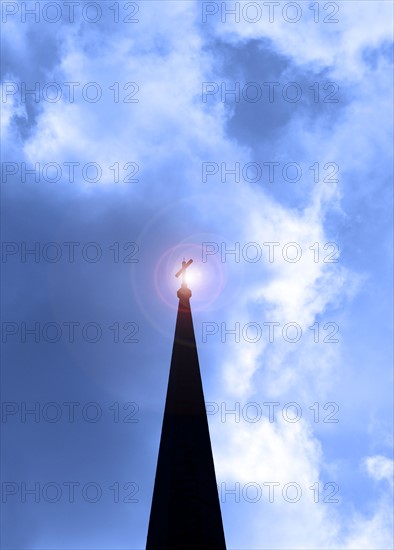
x: 256, y: 123
x: 80, y: 371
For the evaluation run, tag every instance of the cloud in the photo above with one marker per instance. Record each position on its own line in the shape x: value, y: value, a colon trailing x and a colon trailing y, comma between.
x: 169, y: 133
x: 379, y: 467
x: 337, y: 45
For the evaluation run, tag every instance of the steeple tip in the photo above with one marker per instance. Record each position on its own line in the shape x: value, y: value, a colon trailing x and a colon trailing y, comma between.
x: 184, y: 293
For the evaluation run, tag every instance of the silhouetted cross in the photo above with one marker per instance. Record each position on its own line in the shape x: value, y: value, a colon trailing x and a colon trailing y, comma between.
x: 182, y: 271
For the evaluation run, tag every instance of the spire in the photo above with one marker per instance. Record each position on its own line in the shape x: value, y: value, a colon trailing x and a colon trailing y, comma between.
x: 185, y: 513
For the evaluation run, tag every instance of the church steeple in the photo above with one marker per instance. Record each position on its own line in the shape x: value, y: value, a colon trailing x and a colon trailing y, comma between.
x: 185, y: 513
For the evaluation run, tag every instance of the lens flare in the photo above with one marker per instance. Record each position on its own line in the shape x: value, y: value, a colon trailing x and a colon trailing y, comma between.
x: 205, y: 280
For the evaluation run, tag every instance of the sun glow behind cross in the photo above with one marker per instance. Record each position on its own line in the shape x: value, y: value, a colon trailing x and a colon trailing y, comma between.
x: 206, y: 280
x: 194, y: 277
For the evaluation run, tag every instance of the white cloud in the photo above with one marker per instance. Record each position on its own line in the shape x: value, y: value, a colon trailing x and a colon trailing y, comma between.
x: 374, y: 532
x: 167, y: 123
x: 335, y: 45
x: 379, y: 467
x: 301, y: 292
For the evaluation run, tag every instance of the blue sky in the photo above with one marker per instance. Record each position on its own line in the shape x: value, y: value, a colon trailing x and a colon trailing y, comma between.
x: 84, y: 280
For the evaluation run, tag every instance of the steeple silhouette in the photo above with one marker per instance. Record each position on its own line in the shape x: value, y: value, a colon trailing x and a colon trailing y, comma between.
x: 185, y: 513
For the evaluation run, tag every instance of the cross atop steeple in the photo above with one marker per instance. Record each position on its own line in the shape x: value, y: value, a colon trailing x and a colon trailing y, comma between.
x: 182, y: 271
x: 184, y: 293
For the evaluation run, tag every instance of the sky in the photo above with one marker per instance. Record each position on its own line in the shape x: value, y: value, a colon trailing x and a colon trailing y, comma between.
x: 255, y: 138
